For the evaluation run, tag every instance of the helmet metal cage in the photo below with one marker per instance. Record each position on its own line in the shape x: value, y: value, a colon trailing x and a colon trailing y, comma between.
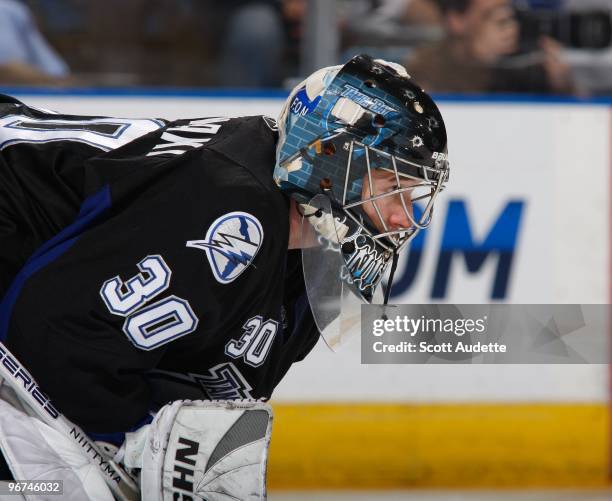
x: 432, y: 179
x: 429, y: 182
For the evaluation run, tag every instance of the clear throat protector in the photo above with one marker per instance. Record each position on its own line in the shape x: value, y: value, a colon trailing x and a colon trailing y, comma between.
x: 333, y: 294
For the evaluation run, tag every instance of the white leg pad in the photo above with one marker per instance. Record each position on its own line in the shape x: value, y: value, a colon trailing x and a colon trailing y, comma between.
x: 35, y: 451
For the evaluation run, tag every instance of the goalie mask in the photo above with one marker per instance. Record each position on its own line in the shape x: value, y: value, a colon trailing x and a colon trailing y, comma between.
x: 340, y: 130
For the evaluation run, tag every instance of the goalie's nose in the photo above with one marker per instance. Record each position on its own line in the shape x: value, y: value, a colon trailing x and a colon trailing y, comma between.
x: 399, y: 213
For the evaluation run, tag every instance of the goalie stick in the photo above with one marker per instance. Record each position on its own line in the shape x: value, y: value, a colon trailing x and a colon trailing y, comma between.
x: 122, y: 485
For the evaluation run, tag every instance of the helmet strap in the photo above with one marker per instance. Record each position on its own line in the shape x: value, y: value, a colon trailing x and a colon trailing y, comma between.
x: 390, y: 281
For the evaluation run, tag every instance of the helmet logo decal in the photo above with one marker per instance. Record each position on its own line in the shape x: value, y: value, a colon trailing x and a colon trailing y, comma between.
x: 301, y: 105
x: 374, y: 104
x: 366, y: 265
x: 417, y: 141
x: 231, y: 243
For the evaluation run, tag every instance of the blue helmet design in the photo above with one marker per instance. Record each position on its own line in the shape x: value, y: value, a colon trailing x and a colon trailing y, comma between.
x: 339, y: 126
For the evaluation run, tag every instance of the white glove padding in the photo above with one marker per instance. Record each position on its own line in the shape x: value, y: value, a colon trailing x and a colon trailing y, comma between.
x: 192, y: 450
x: 35, y: 451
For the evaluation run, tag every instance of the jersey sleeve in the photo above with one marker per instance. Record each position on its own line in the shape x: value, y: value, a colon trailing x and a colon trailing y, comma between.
x: 182, y: 270
x: 54, y: 147
x: 186, y: 251
x: 43, y: 158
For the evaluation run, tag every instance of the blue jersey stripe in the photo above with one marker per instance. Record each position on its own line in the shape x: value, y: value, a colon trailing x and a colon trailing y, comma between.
x: 91, y: 209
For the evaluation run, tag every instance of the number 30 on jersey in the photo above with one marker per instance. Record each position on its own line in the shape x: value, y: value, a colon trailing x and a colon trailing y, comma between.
x: 153, y: 325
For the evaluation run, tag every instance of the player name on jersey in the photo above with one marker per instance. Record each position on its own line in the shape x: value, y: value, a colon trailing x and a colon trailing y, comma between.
x: 177, y: 140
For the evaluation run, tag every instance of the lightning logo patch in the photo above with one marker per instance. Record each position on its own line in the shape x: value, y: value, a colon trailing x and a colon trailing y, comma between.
x: 231, y: 243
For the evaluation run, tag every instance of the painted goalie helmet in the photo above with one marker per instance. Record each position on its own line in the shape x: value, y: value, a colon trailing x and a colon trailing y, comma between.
x: 340, y: 127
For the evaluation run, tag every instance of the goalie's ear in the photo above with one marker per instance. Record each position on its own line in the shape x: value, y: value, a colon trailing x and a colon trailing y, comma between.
x: 199, y: 448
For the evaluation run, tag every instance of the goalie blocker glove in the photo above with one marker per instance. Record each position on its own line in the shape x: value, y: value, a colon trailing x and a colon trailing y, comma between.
x: 200, y: 450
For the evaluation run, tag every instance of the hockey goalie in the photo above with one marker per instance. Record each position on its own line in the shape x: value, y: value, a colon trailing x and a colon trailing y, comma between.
x: 159, y: 278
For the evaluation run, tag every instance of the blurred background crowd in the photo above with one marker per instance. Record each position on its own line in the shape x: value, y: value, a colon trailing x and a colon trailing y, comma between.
x: 450, y: 46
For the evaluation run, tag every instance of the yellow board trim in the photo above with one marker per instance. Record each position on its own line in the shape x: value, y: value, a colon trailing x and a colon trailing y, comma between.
x: 397, y: 446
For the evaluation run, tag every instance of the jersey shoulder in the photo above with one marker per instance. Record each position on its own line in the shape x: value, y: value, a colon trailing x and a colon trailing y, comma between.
x: 252, y: 145
x: 220, y: 161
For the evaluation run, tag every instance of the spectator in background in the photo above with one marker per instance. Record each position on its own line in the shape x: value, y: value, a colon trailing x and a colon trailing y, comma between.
x: 472, y: 57
x: 258, y: 37
x: 409, y: 11
x: 382, y: 25
x: 25, y: 56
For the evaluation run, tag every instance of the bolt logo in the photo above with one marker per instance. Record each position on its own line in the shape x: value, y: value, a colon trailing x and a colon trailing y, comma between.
x: 231, y: 243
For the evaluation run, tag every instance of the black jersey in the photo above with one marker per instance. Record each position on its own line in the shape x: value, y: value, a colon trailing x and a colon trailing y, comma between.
x: 147, y: 261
